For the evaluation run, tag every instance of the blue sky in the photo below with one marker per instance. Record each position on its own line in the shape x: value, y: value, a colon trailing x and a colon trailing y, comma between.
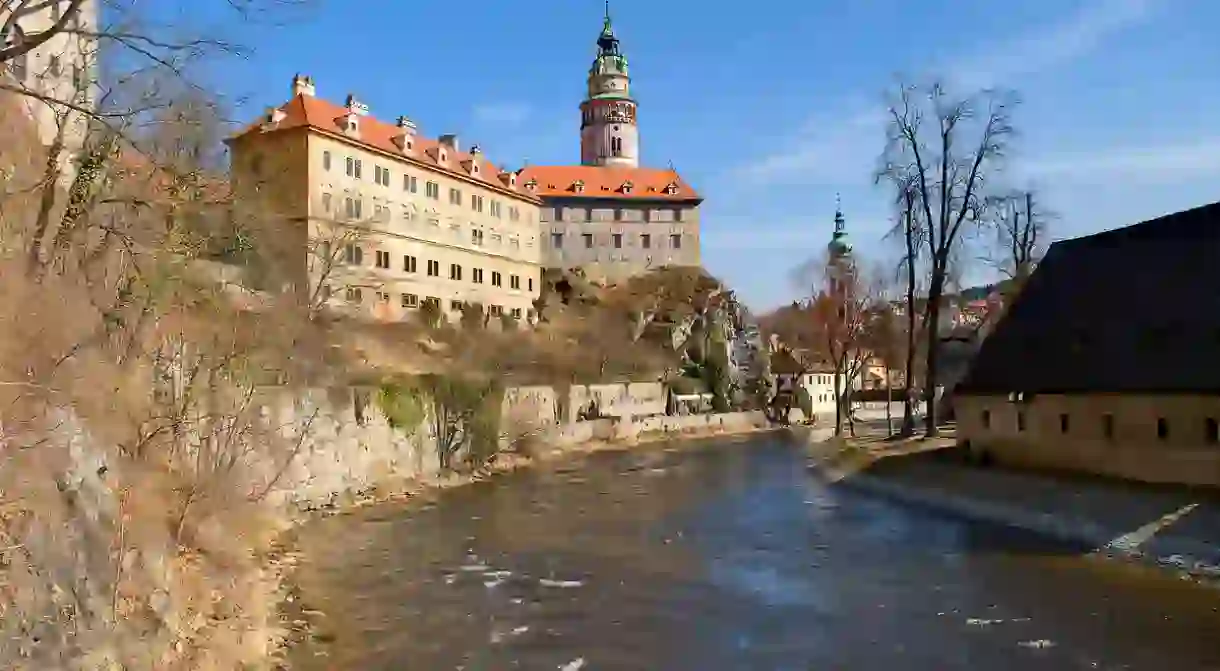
x: 771, y: 112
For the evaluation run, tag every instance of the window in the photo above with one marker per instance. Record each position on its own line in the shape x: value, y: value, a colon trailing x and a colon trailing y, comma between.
x: 646, y: 241
x: 1064, y: 423
x: 408, y: 263
x: 1162, y: 428
x: 514, y: 214
x: 383, y: 297
x: 353, y: 254
x: 1107, y: 426
x: 434, y: 268
x: 531, y: 283
x: 516, y: 313
x: 494, y: 310
x: 1211, y: 431
x: 476, y: 202
x: 675, y: 241
x: 354, y: 294
x: 557, y: 240
x: 476, y: 237
x: 350, y: 166
x: 495, y: 208
x: 409, y: 183
x: 456, y: 306
x: 455, y: 271
x: 677, y: 214
x: 383, y: 259
x: 410, y: 301
x: 588, y: 240
x: 514, y: 281
x: 352, y: 207
x: 616, y: 146
x: 326, y: 202
x: 558, y: 214
x: 455, y: 196
x: 1020, y: 420
x: 358, y: 166
x: 476, y: 275
x: 377, y: 174
x: 618, y: 240
x: 326, y: 160
x: 986, y: 419
x: 55, y: 67
x: 496, y: 278
x: 432, y: 190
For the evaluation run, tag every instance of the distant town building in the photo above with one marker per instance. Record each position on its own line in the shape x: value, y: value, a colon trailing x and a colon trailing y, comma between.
x: 609, y: 216
x: 1092, y: 368
x: 391, y: 220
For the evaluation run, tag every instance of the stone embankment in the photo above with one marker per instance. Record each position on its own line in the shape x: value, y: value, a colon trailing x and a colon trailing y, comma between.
x: 1169, y: 527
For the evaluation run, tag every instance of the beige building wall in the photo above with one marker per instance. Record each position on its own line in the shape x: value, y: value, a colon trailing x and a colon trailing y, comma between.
x: 620, y: 238
x: 63, y: 68
x: 384, y: 246
x: 435, y: 243
x: 1168, y: 439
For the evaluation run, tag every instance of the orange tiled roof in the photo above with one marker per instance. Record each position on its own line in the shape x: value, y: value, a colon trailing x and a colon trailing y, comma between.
x: 307, y: 111
x: 592, y: 181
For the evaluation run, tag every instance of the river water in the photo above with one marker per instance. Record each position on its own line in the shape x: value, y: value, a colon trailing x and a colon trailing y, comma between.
x: 728, y: 556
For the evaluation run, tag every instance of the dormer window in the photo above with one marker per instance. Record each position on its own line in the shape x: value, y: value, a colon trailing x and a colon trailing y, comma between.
x: 671, y: 188
x: 627, y: 187
x: 578, y: 186
x: 442, y: 156
x: 532, y: 185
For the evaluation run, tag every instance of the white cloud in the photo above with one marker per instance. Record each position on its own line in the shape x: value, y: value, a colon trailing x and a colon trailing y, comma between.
x: 1138, y: 165
x: 844, y: 148
x: 1068, y: 40
x: 502, y: 113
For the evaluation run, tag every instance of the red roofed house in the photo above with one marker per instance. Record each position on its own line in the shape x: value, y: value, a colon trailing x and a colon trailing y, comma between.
x: 389, y: 219
x: 608, y: 215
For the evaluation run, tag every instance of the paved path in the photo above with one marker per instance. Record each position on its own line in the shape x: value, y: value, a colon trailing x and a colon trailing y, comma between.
x: 1105, y: 511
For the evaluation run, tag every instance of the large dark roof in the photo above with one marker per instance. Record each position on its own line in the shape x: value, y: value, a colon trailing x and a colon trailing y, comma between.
x: 1132, y: 310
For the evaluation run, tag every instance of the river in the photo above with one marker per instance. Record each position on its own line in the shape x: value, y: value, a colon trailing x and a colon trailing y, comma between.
x: 725, y: 556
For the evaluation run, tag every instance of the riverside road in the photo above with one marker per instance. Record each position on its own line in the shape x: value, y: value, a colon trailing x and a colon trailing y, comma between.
x: 729, y: 555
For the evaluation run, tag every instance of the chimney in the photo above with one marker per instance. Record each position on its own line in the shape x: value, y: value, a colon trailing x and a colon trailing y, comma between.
x: 450, y: 140
x: 405, y: 141
x: 355, y: 106
x: 302, y: 85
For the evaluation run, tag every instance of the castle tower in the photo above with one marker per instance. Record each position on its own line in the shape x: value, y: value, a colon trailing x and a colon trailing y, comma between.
x: 839, y: 253
x: 608, y: 132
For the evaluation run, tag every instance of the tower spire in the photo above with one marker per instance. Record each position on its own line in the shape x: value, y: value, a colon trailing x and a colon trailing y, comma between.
x: 608, y: 134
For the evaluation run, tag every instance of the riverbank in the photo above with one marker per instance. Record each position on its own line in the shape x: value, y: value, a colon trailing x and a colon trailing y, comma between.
x: 1170, y: 528
x: 298, y: 619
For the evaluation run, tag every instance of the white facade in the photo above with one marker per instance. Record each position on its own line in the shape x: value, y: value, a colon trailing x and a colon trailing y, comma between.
x: 61, y: 70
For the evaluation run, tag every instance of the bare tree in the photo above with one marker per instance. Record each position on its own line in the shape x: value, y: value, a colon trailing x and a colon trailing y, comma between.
x: 950, y: 148
x: 1021, y: 229
x: 841, y: 308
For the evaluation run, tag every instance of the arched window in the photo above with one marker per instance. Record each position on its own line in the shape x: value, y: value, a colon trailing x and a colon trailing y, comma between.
x: 18, y: 65
x: 616, y: 146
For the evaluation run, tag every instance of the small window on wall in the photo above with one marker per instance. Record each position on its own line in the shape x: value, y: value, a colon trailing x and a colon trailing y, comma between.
x: 1211, y: 431
x: 1020, y: 420
x: 1064, y: 423
x: 1162, y: 428
x: 1107, y: 426
x: 986, y: 419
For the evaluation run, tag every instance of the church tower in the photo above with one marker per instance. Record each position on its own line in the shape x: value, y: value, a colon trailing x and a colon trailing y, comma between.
x: 608, y: 132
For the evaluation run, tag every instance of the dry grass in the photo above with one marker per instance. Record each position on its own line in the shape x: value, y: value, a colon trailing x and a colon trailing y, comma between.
x: 135, y: 456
